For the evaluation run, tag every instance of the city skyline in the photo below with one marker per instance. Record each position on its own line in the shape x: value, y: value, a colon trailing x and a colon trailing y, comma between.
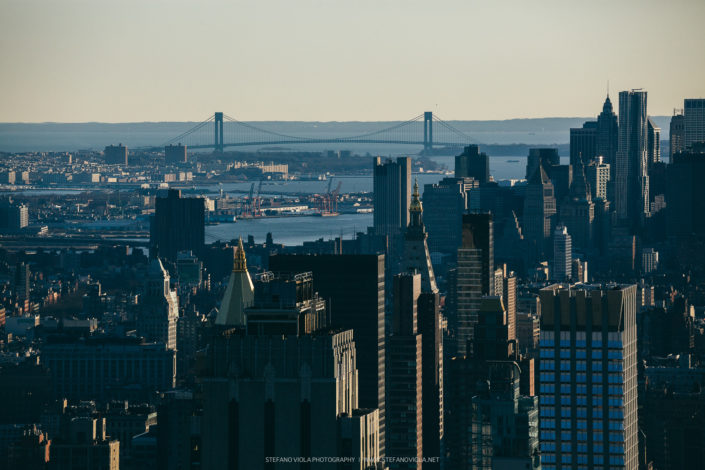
x: 134, y: 62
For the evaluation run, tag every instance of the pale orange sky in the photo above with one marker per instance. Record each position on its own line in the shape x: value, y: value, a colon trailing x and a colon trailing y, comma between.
x: 177, y: 60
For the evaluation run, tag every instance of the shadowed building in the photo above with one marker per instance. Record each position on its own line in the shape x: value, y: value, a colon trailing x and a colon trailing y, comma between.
x: 473, y: 164
x: 239, y: 294
x: 178, y: 224
x: 539, y: 212
x: 353, y: 287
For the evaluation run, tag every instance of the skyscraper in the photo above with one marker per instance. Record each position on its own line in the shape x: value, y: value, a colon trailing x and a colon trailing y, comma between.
x: 404, y: 423
x: 473, y: 164
x: 677, y: 133
x: 562, y: 254
x: 353, y: 287
x: 178, y: 224
x: 474, y: 278
x: 694, y: 112
x: 392, y: 195
x: 631, y: 172
x: 539, y: 212
x: 685, y: 193
x: 597, y: 173
x: 158, y: 311
x: 416, y: 255
x: 446, y: 202
x: 608, y: 136
x: 588, y: 377
x: 545, y: 157
x: 578, y: 211
x: 417, y: 260
x: 583, y: 143
x: 653, y: 149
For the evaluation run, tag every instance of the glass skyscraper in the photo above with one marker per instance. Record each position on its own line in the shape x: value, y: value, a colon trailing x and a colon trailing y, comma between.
x: 588, y: 377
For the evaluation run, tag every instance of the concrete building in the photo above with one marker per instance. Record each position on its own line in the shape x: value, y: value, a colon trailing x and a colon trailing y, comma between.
x: 577, y: 212
x: 597, y: 173
x: 115, y: 155
x: 101, y: 368
x: 653, y: 149
x: 545, y: 157
x: 649, y: 260
x: 588, y: 377
x: 175, y: 154
x: 13, y: 217
x: 84, y: 445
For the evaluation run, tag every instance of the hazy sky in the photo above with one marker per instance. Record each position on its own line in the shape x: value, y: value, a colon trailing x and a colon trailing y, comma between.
x: 177, y: 60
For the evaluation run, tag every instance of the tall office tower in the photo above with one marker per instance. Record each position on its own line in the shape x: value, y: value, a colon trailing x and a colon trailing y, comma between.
x: 608, y: 136
x: 676, y: 133
x: 158, y: 308
x: 578, y: 212
x: 539, y: 212
x: 416, y: 255
x: 694, y: 113
x: 562, y: 254
x: 178, y: 224
x: 583, y: 143
x: 653, y: 149
x: 545, y: 157
x: 353, y: 288
x: 115, y: 155
x: 175, y: 153
x: 392, y: 195
x: 588, y: 377
x: 509, y: 296
x: 473, y: 164
x: 474, y: 278
x: 597, y: 173
x: 685, y: 193
x: 239, y: 294
x: 404, y: 406
x: 417, y: 260
x: 22, y: 282
x: 631, y: 176
x: 446, y: 202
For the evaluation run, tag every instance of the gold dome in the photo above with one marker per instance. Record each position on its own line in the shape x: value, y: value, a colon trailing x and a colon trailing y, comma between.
x: 415, y: 202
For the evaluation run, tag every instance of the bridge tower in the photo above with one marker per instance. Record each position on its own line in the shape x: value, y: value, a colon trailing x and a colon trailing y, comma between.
x: 218, y: 136
x: 427, y: 131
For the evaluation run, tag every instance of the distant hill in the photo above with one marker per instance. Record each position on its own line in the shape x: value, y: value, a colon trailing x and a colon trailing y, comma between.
x: 43, y: 137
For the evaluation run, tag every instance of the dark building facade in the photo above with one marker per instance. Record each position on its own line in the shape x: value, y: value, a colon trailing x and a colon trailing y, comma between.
x: 115, y: 155
x: 175, y: 153
x: 353, y: 287
x: 178, y: 224
x: 583, y: 143
x: 473, y: 164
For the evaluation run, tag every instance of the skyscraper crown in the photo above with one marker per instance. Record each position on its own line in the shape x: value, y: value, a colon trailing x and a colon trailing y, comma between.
x: 240, y: 262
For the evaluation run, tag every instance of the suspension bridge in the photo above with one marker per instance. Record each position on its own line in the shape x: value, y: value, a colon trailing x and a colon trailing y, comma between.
x: 221, y: 131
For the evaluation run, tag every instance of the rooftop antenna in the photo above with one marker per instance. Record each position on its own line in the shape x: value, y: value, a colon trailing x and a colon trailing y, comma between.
x: 608, y: 88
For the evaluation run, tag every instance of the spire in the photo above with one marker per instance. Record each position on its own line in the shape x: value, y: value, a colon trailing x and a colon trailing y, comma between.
x: 415, y: 202
x: 240, y: 262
